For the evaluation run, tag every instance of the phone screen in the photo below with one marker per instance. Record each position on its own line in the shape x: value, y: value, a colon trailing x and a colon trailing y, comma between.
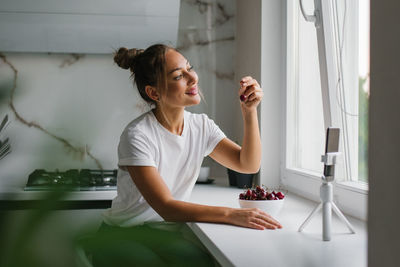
x: 332, y: 140
x: 332, y: 145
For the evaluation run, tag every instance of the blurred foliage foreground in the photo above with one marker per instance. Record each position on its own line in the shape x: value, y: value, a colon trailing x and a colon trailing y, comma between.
x: 33, y: 238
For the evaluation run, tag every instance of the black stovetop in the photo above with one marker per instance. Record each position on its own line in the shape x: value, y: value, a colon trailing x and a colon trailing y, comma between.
x: 74, y: 179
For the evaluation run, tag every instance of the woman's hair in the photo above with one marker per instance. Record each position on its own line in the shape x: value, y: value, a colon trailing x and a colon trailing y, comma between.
x: 147, y: 67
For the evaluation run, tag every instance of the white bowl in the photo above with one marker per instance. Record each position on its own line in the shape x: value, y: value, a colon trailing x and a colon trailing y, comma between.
x: 204, y: 174
x: 272, y: 207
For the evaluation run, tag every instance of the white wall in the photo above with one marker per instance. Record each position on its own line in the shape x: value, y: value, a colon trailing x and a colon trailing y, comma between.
x: 273, y: 78
x: 248, y: 55
x: 384, y: 136
x: 260, y: 53
x: 248, y: 50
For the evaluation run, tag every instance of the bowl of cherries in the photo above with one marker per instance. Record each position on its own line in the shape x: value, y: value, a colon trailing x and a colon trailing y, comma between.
x: 270, y: 201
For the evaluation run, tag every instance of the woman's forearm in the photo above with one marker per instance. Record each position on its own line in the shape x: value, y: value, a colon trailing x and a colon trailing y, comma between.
x: 157, y: 194
x: 181, y: 211
x: 250, y: 154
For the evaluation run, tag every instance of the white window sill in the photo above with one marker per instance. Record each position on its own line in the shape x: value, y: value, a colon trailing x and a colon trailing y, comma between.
x: 361, y: 188
x: 237, y: 246
x: 350, y: 197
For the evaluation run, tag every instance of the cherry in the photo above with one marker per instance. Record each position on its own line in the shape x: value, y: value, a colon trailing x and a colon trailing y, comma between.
x: 259, y: 193
x: 280, y: 195
x: 271, y: 196
x: 248, y: 193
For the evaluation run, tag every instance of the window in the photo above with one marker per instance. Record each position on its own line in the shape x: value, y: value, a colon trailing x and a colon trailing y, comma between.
x: 305, y: 129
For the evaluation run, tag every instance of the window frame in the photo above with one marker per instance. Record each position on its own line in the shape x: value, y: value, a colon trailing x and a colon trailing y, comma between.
x: 350, y: 196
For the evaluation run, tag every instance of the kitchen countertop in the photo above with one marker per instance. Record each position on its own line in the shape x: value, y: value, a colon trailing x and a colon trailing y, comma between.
x: 18, y: 199
x: 237, y: 246
x: 16, y: 194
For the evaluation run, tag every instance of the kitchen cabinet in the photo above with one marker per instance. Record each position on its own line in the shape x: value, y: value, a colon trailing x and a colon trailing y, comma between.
x: 46, y: 231
x: 86, y: 26
x: 45, y: 238
x: 75, y: 214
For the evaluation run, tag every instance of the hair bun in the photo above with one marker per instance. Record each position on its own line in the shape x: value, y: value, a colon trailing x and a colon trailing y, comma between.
x: 125, y: 57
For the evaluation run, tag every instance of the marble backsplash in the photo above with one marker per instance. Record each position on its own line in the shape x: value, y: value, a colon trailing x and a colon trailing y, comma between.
x: 67, y: 111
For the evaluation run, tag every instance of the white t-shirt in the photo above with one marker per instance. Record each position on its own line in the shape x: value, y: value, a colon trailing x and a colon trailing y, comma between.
x: 145, y: 142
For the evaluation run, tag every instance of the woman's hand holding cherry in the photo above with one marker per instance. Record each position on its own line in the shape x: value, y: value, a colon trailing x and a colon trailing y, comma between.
x: 250, y: 93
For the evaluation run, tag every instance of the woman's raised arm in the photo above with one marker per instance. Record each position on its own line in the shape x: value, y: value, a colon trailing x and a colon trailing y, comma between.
x: 245, y: 159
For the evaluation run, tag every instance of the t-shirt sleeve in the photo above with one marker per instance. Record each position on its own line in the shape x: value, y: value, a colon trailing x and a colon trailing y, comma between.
x: 215, y: 135
x: 135, y: 149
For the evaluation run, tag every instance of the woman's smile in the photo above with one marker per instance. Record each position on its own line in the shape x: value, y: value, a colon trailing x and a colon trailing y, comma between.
x: 193, y: 91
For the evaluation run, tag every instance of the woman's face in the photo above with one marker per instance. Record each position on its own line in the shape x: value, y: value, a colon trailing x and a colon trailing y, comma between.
x: 181, y: 80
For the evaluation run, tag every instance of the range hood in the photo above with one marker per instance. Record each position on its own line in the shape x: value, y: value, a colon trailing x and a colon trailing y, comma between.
x: 86, y: 26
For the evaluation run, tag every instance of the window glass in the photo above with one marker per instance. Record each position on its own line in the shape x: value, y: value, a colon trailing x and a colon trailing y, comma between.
x: 305, y: 124
x: 310, y: 124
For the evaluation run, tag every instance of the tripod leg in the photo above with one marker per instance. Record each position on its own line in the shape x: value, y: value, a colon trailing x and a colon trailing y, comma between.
x: 317, y: 208
x: 326, y: 221
x: 342, y: 217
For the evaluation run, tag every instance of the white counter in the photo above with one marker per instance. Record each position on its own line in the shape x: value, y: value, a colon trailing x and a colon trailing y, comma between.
x: 237, y: 246
x: 19, y: 194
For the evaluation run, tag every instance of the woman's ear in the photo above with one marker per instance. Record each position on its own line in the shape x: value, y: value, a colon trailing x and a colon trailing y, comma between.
x: 152, y: 93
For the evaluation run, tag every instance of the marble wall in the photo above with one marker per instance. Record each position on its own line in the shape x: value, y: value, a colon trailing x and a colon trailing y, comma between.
x: 207, y: 38
x: 67, y: 111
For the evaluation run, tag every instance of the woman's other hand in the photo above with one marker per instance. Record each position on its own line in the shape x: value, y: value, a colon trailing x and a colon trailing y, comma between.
x: 253, y: 218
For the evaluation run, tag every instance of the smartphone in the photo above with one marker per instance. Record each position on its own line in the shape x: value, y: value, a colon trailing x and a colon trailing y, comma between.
x: 331, y: 146
x: 332, y: 140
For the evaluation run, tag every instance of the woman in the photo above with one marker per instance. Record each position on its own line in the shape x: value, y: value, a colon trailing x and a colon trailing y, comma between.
x: 160, y: 153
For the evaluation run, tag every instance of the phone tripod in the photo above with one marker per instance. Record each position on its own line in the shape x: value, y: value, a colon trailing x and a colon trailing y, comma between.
x: 326, y: 195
